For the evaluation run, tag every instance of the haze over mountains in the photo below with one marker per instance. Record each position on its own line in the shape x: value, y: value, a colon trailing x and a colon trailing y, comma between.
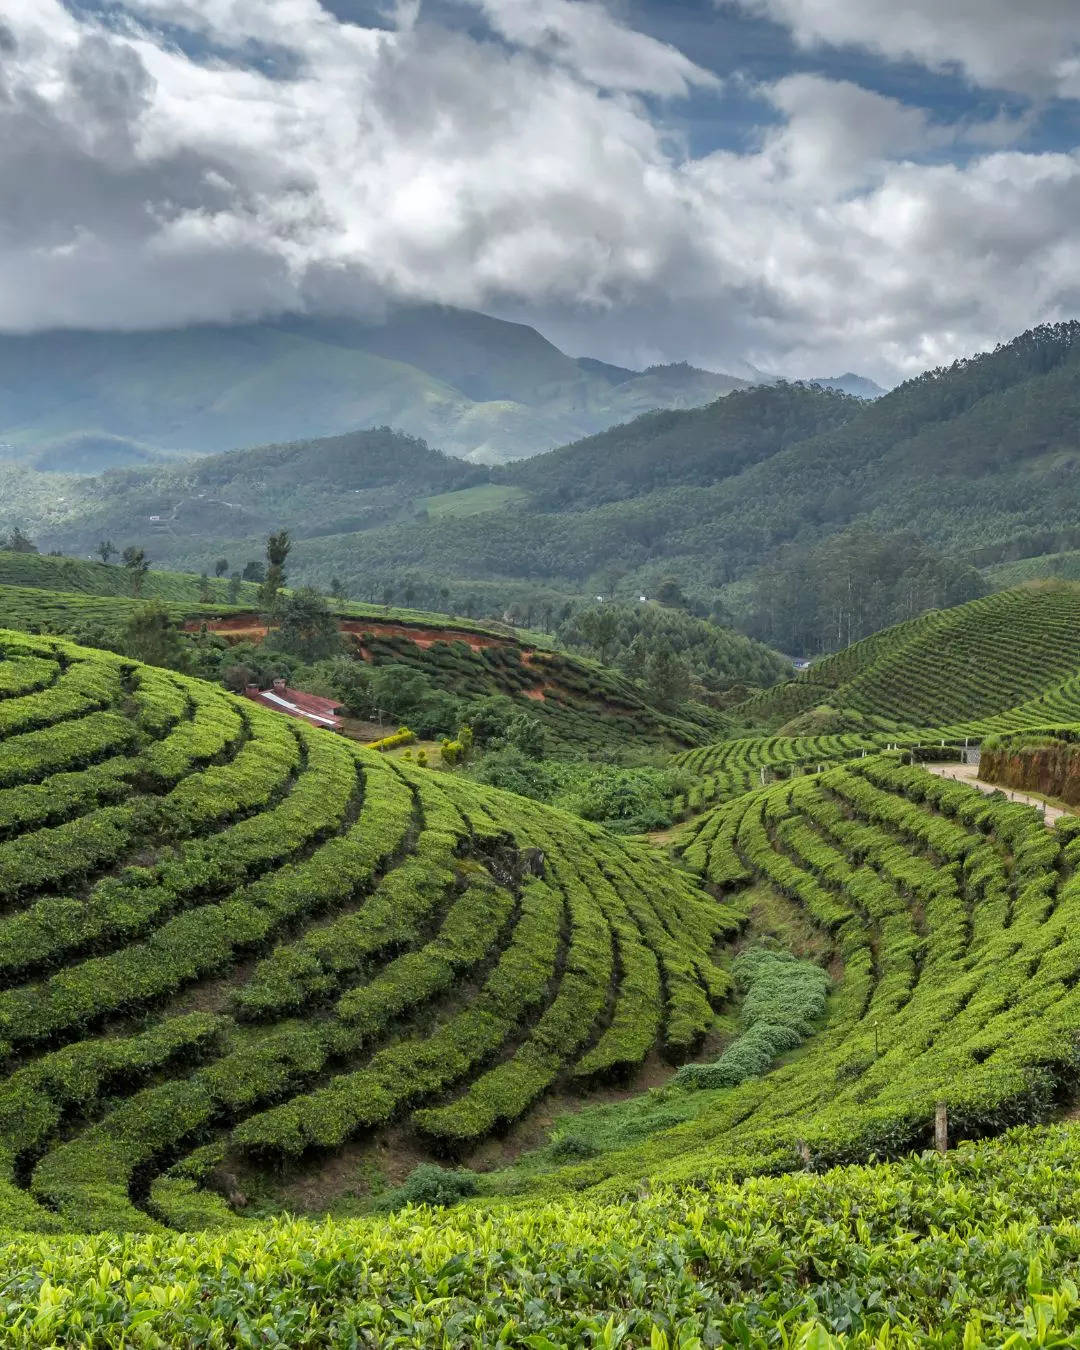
x: 478, y: 387
x: 980, y: 460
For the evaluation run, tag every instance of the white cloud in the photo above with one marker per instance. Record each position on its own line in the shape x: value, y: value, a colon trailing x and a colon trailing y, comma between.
x: 1028, y: 45
x: 140, y: 187
x: 586, y: 37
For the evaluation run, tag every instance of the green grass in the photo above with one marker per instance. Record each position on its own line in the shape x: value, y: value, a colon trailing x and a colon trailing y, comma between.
x: 945, y: 667
x: 472, y: 501
x: 237, y: 953
x: 87, y: 577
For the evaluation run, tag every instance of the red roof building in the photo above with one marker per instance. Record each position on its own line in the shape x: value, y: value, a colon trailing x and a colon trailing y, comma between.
x: 321, y: 712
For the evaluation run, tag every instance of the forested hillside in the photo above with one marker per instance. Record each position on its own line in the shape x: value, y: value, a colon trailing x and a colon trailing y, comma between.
x: 739, y: 502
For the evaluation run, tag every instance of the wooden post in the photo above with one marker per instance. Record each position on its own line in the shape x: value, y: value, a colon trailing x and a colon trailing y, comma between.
x: 941, y: 1128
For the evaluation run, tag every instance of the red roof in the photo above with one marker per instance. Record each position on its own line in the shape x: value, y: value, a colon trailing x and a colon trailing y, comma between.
x: 296, y: 703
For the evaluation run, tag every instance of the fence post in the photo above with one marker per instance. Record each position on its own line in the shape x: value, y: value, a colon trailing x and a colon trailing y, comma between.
x: 941, y: 1128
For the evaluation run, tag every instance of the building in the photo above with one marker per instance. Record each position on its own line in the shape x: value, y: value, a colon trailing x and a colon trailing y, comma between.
x: 321, y: 712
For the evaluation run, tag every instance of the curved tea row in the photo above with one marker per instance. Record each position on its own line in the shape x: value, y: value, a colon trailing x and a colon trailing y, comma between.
x: 224, y: 934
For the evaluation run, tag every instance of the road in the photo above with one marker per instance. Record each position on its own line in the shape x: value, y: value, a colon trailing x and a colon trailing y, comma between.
x: 969, y: 773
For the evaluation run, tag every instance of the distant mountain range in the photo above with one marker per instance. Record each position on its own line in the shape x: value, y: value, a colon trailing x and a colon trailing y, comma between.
x: 981, y: 460
x: 475, y: 386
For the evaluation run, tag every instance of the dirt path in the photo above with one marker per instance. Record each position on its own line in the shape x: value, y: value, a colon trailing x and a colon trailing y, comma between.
x: 969, y: 773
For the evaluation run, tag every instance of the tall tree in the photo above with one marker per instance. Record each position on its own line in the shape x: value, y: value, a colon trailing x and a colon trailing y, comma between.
x: 105, y: 550
x: 221, y: 567
x: 137, y: 564
x: 306, y: 627
x: 278, y: 547
x: 150, y: 635
x: 599, y: 627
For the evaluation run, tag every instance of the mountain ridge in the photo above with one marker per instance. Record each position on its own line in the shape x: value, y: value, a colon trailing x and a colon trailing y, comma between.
x: 476, y: 386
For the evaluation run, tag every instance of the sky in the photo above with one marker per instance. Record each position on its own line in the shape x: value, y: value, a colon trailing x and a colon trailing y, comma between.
x: 802, y: 186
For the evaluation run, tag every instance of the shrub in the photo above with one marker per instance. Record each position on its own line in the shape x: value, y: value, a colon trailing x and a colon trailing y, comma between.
x: 430, y: 1184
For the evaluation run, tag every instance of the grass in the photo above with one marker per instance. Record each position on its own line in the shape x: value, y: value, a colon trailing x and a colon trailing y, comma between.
x: 473, y: 501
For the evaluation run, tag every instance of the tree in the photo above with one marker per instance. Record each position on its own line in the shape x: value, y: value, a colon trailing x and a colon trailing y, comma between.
x: 527, y: 735
x: 20, y: 542
x: 234, y: 588
x: 105, y: 550
x: 150, y: 635
x: 138, y: 564
x: 221, y: 567
x: 205, y: 593
x: 306, y: 627
x: 599, y: 627
x: 278, y: 547
x: 337, y: 588
x: 254, y: 571
x: 409, y: 593
x: 667, y: 678
x: 670, y: 593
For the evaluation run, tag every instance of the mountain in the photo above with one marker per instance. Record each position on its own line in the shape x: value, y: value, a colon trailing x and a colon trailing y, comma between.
x: 979, y: 461
x: 850, y: 383
x: 475, y: 386
x: 325, y: 486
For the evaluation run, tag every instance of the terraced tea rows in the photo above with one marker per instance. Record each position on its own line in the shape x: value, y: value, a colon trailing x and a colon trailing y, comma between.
x: 949, y: 666
x: 580, y: 702
x: 957, y: 921
x: 225, y: 934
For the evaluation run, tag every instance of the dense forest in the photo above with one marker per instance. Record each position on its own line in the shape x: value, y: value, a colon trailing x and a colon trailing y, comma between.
x: 825, y: 596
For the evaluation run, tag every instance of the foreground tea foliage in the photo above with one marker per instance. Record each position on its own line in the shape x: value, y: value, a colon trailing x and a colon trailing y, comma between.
x: 981, y: 1249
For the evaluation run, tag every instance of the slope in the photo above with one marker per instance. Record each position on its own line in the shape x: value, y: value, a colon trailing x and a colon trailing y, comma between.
x: 227, y: 932
x: 948, y: 666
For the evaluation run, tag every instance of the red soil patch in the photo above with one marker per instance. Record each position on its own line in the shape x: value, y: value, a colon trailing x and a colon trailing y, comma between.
x: 423, y: 637
x: 249, y: 626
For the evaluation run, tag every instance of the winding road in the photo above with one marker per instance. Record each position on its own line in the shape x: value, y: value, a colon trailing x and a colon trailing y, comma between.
x: 969, y: 773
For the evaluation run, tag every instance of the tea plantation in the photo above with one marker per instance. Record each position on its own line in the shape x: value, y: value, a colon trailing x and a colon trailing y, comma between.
x: 238, y: 953
x: 365, y: 941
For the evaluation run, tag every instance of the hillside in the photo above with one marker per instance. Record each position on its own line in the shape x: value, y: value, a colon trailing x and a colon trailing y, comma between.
x: 318, y: 487
x: 276, y: 866
x: 584, y: 707
x: 974, y: 464
x: 251, y: 968
x: 967, y: 459
x: 947, y: 666
x: 581, y: 704
x: 717, y: 1261
x: 470, y: 384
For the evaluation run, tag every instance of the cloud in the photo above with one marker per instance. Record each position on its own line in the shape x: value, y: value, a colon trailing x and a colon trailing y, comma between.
x: 585, y: 37
x: 1031, y: 46
x: 524, y: 168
